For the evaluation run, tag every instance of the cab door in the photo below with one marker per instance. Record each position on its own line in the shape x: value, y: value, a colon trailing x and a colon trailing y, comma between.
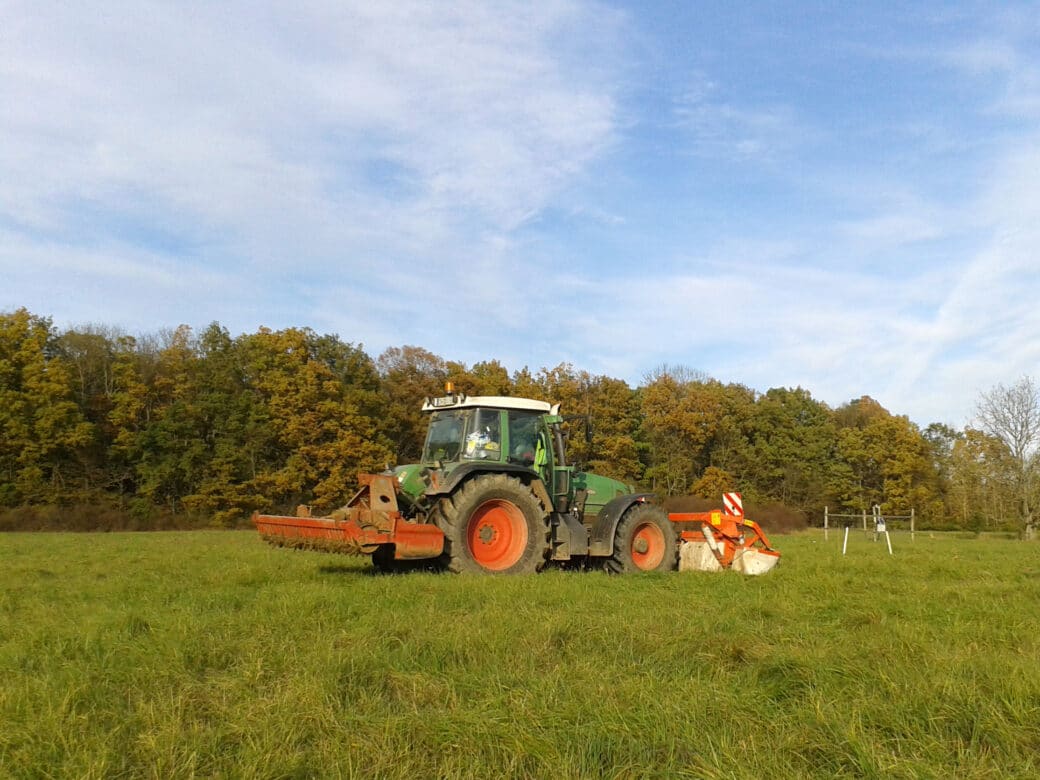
x: 529, y: 443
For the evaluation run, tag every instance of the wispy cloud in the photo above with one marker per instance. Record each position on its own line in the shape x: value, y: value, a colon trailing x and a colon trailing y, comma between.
x: 717, y: 125
x: 489, y: 181
x: 318, y: 140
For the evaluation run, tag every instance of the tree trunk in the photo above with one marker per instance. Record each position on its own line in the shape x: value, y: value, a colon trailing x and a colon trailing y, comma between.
x: 1029, y: 527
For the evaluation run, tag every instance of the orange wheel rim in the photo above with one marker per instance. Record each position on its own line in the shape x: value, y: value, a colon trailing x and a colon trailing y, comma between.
x: 648, y: 546
x: 497, y: 534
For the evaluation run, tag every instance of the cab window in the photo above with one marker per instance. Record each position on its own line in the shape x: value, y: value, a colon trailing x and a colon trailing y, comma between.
x: 484, y: 436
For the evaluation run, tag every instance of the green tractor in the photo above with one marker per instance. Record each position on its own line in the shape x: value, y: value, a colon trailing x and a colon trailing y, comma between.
x: 493, y: 493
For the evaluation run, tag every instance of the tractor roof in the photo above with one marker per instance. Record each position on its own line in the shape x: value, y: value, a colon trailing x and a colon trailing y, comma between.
x: 461, y: 401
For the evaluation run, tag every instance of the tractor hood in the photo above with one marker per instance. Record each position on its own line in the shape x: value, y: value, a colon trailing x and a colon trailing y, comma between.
x: 600, y: 490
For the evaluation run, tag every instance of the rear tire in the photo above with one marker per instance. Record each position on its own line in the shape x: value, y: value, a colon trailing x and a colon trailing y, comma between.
x: 493, y: 524
x: 644, y: 541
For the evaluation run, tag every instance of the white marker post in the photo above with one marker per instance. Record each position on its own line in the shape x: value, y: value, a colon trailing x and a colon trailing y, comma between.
x: 879, y: 527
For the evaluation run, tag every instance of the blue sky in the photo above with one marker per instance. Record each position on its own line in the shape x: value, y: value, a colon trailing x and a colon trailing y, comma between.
x: 776, y: 194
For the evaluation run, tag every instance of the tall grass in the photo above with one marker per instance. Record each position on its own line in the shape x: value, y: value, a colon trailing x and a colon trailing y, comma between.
x: 210, y: 654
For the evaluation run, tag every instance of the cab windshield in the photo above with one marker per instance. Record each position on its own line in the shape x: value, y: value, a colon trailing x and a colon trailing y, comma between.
x: 444, y: 438
x: 473, y: 434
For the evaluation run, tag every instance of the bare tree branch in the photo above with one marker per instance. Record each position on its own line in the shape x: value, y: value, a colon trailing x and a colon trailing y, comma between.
x: 1012, y: 414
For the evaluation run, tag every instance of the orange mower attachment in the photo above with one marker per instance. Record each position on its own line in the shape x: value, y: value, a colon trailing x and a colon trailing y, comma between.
x: 369, y: 522
x: 722, y: 542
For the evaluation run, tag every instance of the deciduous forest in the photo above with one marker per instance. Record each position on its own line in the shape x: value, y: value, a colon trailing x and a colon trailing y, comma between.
x: 99, y: 429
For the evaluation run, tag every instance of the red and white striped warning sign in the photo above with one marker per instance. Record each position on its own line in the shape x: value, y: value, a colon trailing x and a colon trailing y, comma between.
x: 732, y: 505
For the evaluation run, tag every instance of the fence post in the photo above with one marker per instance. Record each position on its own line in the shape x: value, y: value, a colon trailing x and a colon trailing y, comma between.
x: 864, y: 521
x: 911, y: 524
x: 825, y: 524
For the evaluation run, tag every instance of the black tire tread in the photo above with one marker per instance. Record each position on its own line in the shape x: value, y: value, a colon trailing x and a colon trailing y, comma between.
x: 452, y: 515
x: 620, y: 562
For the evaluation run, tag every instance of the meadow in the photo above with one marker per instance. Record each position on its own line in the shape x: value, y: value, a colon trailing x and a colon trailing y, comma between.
x: 209, y: 654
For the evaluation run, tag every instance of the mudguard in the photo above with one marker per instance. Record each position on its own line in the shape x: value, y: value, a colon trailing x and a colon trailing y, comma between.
x: 606, y: 522
x: 445, y: 485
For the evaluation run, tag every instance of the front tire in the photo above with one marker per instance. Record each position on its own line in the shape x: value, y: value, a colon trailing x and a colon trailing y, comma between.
x: 493, y: 524
x: 644, y: 541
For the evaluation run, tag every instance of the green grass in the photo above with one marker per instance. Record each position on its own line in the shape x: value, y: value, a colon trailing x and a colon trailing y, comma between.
x: 210, y: 654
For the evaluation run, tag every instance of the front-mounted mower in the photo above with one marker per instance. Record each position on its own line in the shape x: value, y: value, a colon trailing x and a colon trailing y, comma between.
x: 494, y: 493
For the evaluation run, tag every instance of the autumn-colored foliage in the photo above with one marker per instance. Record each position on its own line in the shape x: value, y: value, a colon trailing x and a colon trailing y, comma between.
x: 182, y: 428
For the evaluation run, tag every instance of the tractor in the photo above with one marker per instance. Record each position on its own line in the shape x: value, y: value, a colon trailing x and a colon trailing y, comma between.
x: 493, y: 493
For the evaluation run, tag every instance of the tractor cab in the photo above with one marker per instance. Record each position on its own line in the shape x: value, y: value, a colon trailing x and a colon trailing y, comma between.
x: 492, y: 432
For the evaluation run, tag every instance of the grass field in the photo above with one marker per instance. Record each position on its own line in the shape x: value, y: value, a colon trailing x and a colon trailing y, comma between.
x: 209, y: 654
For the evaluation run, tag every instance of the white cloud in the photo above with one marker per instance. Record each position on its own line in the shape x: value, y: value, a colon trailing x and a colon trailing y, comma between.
x: 983, y: 56
x: 857, y: 309
x: 253, y: 130
x: 719, y: 127
x: 891, y: 229
x: 378, y: 170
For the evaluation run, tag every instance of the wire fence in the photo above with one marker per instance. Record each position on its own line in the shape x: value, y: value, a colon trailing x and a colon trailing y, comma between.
x: 872, y: 522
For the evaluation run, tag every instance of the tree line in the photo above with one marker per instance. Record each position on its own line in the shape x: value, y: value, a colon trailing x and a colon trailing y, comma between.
x: 205, y: 427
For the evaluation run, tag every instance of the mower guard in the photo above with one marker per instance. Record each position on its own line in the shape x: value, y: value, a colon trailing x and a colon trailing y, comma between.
x: 713, y: 541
